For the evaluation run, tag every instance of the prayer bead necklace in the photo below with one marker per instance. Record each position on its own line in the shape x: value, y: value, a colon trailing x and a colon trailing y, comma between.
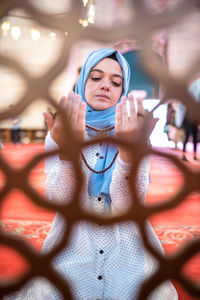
x: 99, y: 130
x: 102, y: 171
x: 101, y: 133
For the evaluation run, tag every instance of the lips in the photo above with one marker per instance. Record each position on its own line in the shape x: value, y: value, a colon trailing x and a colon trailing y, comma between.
x: 102, y: 96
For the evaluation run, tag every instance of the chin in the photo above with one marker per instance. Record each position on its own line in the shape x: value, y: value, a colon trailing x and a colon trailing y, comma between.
x: 101, y: 107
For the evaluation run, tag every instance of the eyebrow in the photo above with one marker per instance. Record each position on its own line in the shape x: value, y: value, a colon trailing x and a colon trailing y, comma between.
x: 100, y: 71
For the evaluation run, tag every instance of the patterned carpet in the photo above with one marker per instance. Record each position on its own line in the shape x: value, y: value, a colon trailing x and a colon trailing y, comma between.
x: 19, y: 216
x: 171, y: 237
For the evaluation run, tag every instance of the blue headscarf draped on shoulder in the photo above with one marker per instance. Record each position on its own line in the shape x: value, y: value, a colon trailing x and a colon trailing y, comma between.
x: 100, y: 183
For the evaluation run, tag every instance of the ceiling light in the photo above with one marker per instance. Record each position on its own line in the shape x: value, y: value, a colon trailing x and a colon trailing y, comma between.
x: 52, y: 35
x: 5, y: 27
x: 15, y: 32
x: 35, y: 34
x: 85, y: 2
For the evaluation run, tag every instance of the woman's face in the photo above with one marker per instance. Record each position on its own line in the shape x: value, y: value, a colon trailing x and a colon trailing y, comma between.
x: 104, y: 85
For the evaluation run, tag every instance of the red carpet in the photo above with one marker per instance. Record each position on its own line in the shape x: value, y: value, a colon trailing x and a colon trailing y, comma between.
x: 21, y: 217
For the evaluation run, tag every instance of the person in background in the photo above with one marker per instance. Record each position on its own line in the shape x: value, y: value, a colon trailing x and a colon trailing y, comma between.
x: 16, y: 130
x: 170, y: 120
x: 183, y: 120
x: 194, y: 90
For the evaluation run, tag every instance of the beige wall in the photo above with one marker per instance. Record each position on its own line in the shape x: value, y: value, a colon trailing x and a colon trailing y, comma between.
x: 184, y: 44
x: 37, y: 57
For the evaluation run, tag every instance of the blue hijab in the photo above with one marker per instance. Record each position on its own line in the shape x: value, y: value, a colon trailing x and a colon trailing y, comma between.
x: 100, y: 183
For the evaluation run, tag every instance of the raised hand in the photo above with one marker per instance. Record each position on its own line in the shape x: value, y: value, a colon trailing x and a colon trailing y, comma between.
x: 126, y: 125
x: 75, y: 109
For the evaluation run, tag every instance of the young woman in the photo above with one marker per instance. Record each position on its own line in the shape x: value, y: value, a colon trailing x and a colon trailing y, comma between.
x: 100, y: 262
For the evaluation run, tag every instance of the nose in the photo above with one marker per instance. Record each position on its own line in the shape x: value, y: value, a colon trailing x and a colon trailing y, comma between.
x: 105, y: 85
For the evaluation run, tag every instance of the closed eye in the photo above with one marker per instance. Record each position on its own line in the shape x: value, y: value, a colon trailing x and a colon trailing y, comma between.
x: 116, y: 83
x: 96, y: 78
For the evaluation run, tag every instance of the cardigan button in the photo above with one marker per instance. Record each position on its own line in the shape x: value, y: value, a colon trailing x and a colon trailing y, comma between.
x: 99, y: 198
x: 100, y: 277
x: 101, y: 251
x: 97, y: 154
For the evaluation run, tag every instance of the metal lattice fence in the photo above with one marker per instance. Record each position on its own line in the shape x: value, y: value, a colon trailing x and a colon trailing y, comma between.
x: 141, y: 28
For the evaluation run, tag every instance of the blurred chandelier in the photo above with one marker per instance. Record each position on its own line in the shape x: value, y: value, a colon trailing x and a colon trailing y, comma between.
x: 90, y: 15
x: 16, y: 31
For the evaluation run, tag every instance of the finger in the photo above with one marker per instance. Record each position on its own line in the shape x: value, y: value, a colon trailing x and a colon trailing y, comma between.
x: 133, y: 109
x: 81, y: 118
x: 140, y: 107
x: 125, y: 118
x: 118, y: 117
x: 75, y: 110
x: 69, y: 102
x: 49, y: 120
x: 141, y: 112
